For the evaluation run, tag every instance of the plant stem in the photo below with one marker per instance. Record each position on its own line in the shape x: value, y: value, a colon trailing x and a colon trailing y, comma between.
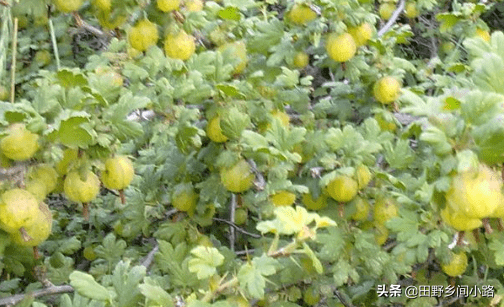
x: 13, y: 66
x: 210, y: 295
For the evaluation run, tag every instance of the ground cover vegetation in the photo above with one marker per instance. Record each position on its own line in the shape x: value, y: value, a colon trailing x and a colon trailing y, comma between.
x: 250, y: 153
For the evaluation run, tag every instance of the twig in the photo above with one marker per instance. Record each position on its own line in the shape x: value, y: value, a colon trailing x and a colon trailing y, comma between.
x: 171, y: 212
x: 14, y: 54
x: 245, y: 252
x: 12, y: 300
x: 54, y: 44
x: 259, y: 181
x: 392, y: 19
x: 232, y: 235
x: 448, y: 302
x: 253, y: 235
x: 342, y: 300
x: 84, y: 25
x: 150, y: 257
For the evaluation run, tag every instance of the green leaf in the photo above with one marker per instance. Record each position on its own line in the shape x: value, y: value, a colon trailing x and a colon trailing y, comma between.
x: 315, y: 261
x: 205, y: 261
x: 155, y: 294
x: 69, y: 246
x: 87, y: 286
x: 489, y: 139
x: 4, y: 242
x: 251, y: 275
x: 480, y: 107
x: 267, y: 34
x: 70, y: 78
x: 437, y: 139
x: 173, y: 261
x: 126, y: 281
x: 230, y: 13
x: 401, y: 156
x: 117, y: 115
x: 229, y: 90
x: 497, y: 246
x: 76, y: 132
x: 266, y: 265
x: 111, y: 249
x: 233, y: 122
x: 288, y: 78
x: 447, y: 20
x: 342, y: 271
x: 332, y: 243
x: 284, y: 304
x: 405, y: 228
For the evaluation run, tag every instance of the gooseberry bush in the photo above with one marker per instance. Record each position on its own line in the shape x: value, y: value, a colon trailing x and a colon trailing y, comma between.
x: 251, y: 153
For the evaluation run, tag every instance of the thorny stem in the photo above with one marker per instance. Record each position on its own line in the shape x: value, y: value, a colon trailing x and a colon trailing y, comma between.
x: 232, y: 234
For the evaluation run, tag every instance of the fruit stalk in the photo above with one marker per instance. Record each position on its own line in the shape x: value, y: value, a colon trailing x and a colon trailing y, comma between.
x: 36, y: 254
x: 341, y: 209
x: 476, y: 235
x: 500, y: 225
x: 460, y: 238
x: 122, y: 197
x: 486, y: 224
x: 85, y: 211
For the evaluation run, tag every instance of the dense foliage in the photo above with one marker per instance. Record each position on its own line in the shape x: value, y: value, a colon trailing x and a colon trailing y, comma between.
x: 251, y: 153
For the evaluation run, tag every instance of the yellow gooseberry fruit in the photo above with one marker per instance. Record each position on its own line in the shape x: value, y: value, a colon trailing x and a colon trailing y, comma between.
x: 38, y: 231
x: 168, y: 5
x: 18, y: 208
x: 384, y: 209
x: 386, y: 10
x: 301, y: 14
x: 214, y: 131
x: 475, y: 193
x: 143, y: 35
x: 459, y: 221
x: 457, y: 264
x: 387, y: 90
x: 314, y: 204
x: 19, y: 144
x: 237, y: 178
x: 283, y: 198
x: 184, y: 197
x: 67, y: 6
x: 237, y: 50
x: 179, y: 45
x: 363, y: 176
x: 341, y: 48
x: 81, y: 189
x: 361, y: 209
x: 361, y: 34
x: 118, y: 173
x: 301, y: 59
x: 342, y: 188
